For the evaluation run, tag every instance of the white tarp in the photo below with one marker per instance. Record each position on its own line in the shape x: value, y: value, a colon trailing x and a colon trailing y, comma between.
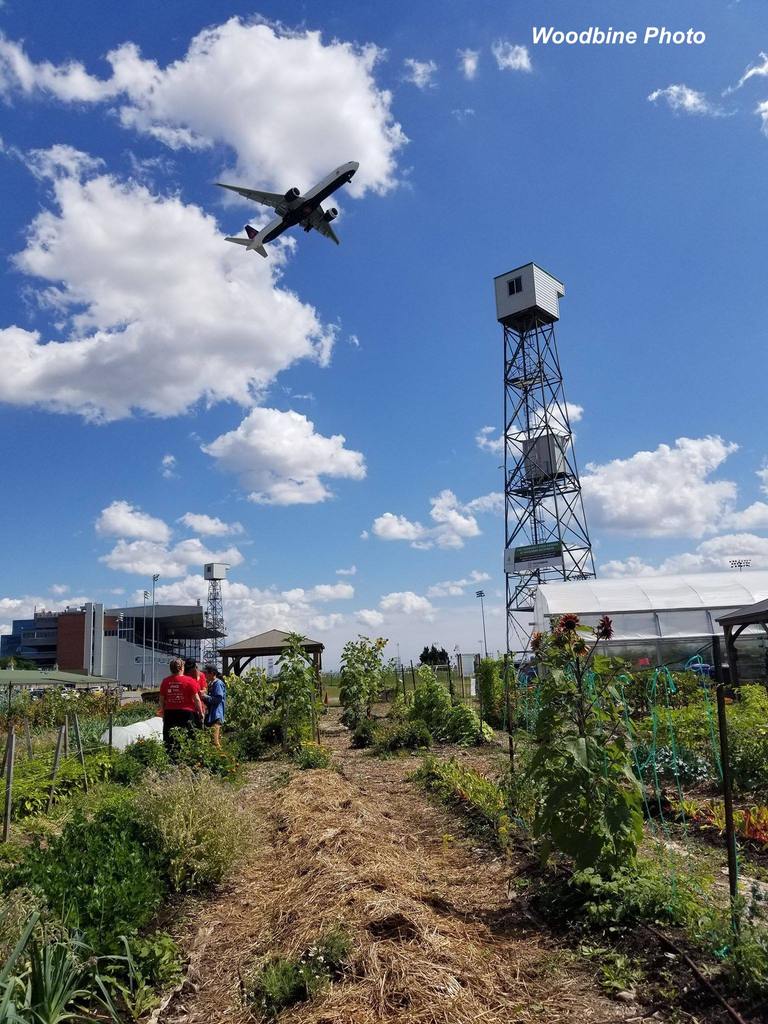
x: 124, y: 735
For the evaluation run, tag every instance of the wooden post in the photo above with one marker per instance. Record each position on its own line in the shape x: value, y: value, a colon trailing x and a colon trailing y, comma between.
x: 10, y: 750
x: 508, y: 707
x: 80, y: 752
x: 54, y: 770
x: 29, y: 737
x: 730, y: 831
x: 450, y: 681
x: 402, y: 677
x: 413, y: 677
x: 110, y: 726
x: 66, y: 735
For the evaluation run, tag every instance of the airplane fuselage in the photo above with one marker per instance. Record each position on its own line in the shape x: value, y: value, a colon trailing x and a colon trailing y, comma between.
x: 298, y: 211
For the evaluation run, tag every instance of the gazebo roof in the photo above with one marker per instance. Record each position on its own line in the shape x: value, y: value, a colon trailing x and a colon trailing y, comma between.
x: 747, y: 615
x: 274, y: 641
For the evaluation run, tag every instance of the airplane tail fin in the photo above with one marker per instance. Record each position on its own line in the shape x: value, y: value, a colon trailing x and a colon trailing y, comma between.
x: 251, y: 232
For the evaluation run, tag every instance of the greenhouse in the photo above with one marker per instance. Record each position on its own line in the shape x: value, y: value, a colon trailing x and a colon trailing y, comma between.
x: 663, y: 620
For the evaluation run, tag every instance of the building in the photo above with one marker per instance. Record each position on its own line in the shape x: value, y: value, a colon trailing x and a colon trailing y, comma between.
x: 116, y: 642
x: 663, y: 620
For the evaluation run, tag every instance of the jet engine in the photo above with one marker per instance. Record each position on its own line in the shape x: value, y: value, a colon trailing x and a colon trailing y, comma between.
x: 291, y: 194
x: 331, y: 214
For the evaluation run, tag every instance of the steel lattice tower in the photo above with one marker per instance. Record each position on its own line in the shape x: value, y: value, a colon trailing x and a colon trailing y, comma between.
x: 545, y: 529
x: 214, y: 572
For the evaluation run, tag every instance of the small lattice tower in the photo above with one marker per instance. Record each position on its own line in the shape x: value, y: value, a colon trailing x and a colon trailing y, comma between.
x: 214, y: 573
x: 545, y: 528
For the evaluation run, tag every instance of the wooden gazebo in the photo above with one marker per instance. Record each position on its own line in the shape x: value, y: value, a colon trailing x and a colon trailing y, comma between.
x: 236, y: 657
x: 734, y: 623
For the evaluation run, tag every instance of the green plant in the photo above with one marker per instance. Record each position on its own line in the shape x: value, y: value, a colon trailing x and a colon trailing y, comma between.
x: 157, y: 957
x: 491, y: 692
x: 463, y: 726
x: 589, y: 803
x: 194, y: 824
x: 431, y: 702
x: 295, y: 698
x: 361, y: 669
x: 250, y: 698
x: 283, y: 982
x: 403, y: 736
x: 312, y: 755
x: 101, y: 875
x: 364, y: 734
x: 129, y: 765
x: 483, y: 799
x: 32, y: 782
x: 196, y: 750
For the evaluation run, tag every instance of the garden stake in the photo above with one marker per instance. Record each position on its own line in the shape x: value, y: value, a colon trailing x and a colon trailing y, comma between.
x: 66, y: 735
x: 450, y: 681
x: 111, y: 720
x: 508, y: 709
x: 10, y: 750
x: 730, y: 831
x: 413, y: 677
x: 80, y: 752
x: 54, y: 770
x: 29, y: 737
x: 402, y: 676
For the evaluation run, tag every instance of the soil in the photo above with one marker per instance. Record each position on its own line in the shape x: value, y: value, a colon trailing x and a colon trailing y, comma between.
x: 439, y: 931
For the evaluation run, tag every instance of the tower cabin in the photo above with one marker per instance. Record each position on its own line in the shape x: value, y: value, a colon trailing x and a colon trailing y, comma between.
x: 527, y: 292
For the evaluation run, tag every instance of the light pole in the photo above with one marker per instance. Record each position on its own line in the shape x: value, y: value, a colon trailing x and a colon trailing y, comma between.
x: 740, y: 563
x: 481, y: 595
x: 117, y: 646
x: 155, y: 578
x: 144, y: 640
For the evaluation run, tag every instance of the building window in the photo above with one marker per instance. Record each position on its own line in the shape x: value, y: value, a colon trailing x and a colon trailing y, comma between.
x: 515, y: 285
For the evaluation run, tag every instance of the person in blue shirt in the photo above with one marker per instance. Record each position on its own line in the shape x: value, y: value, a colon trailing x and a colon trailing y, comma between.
x: 215, y: 702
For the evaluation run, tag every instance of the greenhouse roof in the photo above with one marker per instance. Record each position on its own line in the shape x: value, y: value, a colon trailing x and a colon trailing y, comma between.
x: 710, y: 590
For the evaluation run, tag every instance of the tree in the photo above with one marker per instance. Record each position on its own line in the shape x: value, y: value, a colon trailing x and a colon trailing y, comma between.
x: 433, y: 656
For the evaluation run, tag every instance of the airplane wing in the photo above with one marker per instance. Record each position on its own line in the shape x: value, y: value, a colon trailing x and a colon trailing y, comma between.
x: 273, y: 199
x: 237, y: 241
x: 319, y: 223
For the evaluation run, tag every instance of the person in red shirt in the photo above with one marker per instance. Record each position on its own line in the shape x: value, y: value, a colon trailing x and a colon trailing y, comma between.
x: 193, y: 672
x: 180, y: 702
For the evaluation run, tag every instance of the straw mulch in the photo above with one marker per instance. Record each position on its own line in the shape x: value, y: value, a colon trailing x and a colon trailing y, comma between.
x: 437, y: 936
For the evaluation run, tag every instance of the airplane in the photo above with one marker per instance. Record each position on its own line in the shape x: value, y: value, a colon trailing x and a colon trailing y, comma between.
x: 294, y: 208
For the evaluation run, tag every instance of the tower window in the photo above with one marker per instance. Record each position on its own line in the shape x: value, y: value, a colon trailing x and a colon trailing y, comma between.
x: 515, y: 285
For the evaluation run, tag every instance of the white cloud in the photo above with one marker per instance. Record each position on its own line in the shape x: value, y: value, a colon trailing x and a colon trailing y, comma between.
x: 59, y: 588
x: 712, y: 555
x: 324, y: 623
x: 280, y: 458
x: 209, y: 526
x: 369, y: 617
x: 121, y: 519
x: 315, y: 103
x: 420, y: 72
x: 757, y: 70
x: 754, y: 517
x: 145, y: 283
x: 492, y: 503
x: 486, y: 442
x: 462, y: 113
x: 666, y: 492
x: 762, y: 111
x: 511, y: 57
x: 351, y: 571
x: 331, y: 592
x: 762, y: 475
x: 683, y: 99
x: 456, y: 588
x: 406, y: 602
x: 468, y: 61
x: 454, y: 522
x: 168, y: 467
x: 145, y: 557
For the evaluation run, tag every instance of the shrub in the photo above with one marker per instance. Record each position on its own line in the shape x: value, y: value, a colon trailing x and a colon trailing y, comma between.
x: 463, y: 726
x: 194, y: 823
x: 312, y: 755
x: 491, y: 692
x: 271, y: 733
x: 281, y: 982
x: 403, y: 736
x: 364, y: 734
x: 360, y: 677
x: 103, y: 875
x: 248, y: 743
x: 196, y: 750
x: 431, y: 702
x: 129, y: 765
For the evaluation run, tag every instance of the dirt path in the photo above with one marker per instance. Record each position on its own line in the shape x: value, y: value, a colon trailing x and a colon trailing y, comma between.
x: 438, y: 936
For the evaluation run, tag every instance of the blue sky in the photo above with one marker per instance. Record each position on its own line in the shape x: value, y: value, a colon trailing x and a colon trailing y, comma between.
x: 130, y: 332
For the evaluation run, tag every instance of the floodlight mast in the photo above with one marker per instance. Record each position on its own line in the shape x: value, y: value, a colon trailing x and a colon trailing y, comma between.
x: 214, y: 573
x: 545, y: 528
